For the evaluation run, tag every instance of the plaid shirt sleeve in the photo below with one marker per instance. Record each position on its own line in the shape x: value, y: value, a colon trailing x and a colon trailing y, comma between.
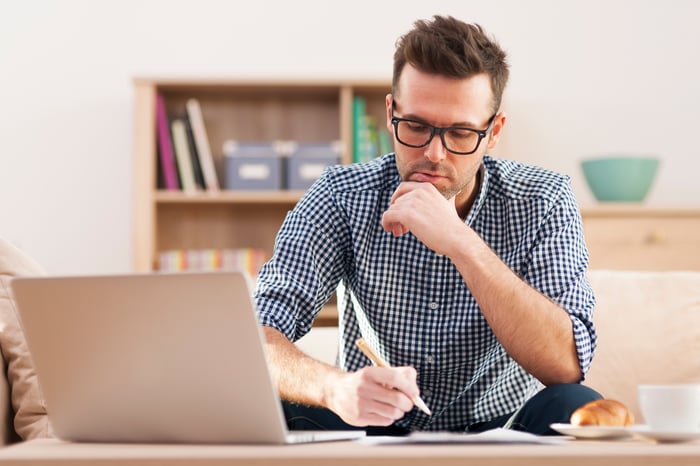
x: 543, y: 241
x: 557, y: 267
x: 305, y: 269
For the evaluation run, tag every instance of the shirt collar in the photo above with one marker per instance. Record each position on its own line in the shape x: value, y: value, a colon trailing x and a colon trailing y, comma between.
x: 481, y: 197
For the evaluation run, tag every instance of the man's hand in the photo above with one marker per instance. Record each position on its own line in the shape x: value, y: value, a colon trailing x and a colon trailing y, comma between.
x: 375, y: 396
x: 422, y: 210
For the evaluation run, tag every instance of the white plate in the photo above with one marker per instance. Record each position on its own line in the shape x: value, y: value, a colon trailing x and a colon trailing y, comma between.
x: 664, y: 436
x: 592, y: 432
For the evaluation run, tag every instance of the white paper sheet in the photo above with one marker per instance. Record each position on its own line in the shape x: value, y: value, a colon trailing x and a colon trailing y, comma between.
x: 499, y: 435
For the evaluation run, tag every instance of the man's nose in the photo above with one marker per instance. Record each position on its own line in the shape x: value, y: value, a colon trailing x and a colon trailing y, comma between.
x: 435, y: 150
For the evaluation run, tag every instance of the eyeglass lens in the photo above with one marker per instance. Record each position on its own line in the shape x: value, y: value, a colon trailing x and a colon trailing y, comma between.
x: 416, y: 134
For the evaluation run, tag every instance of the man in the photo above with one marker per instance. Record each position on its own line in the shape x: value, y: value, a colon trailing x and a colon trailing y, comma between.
x: 466, y: 273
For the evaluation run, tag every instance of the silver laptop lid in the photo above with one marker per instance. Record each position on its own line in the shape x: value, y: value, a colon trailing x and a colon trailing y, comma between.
x: 151, y: 358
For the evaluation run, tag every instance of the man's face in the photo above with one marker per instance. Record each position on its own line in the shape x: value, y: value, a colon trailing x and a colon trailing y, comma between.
x: 443, y: 102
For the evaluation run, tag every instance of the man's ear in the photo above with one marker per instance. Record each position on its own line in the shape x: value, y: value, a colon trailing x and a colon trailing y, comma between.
x: 389, y: 101
x: 499, y: 121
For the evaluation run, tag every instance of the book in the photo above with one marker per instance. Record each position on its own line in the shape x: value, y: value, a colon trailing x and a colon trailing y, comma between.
x: 206, y: 161
x: 370, y: 139
x: 358, y: 128
x: 194, y: 155
x: 182, y: 260
x: 384, y: 141
x: 182, y: 155
x: 165, y: 146
x: 365, y: 133
x: 160, y: 182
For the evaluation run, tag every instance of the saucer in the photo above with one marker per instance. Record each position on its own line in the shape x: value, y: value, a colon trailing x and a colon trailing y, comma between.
x: 592, y: 432
x: 663, y: 436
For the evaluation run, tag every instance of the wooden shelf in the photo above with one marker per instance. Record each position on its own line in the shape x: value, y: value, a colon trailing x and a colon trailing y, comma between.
x: 638, y: 210
x: 229, y: 197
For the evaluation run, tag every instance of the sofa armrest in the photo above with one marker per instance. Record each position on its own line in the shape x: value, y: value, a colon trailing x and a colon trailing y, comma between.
x: 7, y: 415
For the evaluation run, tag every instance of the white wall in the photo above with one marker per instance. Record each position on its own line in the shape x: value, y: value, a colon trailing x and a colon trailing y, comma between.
x: 588, y: 77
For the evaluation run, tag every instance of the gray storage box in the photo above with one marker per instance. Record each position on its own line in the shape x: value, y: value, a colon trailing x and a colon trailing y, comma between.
x: 254, y: 166
x: 307, y: 162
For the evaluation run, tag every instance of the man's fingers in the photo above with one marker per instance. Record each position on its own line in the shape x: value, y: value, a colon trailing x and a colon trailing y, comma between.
x: 390, y: 226
x: 387, y: 401
x: 404, y: 187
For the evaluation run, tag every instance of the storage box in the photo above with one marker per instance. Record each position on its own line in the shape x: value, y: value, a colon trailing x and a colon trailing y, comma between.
x: 254, y: 166
x: 307, y: 162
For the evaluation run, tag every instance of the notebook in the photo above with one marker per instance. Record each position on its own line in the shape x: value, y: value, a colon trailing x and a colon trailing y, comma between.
x: 154, y: 358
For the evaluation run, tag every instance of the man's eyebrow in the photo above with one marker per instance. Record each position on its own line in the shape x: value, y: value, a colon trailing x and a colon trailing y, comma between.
x: 418, y: 118
x: 458, y: 124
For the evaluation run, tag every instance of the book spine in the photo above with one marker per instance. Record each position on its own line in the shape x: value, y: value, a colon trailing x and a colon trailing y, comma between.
x: 165, y: 146
x: 201, y: 140
x: 370, y: 139
x: 384, y: 141
x: 179, y: 260
x: 194, y: 155
x: 182, y: 155
x: 358, y: 128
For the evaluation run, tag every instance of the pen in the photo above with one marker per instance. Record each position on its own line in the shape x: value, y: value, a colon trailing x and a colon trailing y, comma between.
x: 379, y: 362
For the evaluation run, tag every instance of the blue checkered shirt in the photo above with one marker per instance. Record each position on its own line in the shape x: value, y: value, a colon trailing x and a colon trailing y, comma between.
x: 411, y: 304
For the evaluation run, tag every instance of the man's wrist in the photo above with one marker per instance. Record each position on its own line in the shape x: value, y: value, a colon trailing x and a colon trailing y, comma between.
x: 328, y: 387
x: 461, y: 242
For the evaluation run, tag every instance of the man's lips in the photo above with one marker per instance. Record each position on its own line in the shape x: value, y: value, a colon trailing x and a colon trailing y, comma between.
x: 425, y: 177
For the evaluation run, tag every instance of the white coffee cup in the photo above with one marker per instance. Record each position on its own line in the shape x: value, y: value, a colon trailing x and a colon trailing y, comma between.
x: 671, y: 408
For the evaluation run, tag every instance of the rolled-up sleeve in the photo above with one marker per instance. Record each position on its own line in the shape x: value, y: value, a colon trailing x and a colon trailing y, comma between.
x: 557, y: 267
x: 306, y: 265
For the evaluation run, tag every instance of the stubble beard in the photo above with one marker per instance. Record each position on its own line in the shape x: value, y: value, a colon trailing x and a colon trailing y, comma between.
x: 449, y: 191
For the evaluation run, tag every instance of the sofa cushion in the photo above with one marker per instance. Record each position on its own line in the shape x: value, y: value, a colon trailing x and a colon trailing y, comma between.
x: 321, y: 343
x: 27, y: 401
x: 648, y: 327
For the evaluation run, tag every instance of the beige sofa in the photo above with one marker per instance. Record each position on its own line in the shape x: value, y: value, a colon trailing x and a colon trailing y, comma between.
x: 648, y: 324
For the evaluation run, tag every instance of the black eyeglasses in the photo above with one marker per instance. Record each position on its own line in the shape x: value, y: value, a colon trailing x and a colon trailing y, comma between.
x: 455, y: 139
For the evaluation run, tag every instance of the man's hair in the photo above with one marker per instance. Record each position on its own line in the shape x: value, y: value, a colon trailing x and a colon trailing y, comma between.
x: 449, y: 47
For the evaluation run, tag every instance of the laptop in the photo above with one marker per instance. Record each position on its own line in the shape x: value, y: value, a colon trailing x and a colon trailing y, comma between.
x: 154, y: 358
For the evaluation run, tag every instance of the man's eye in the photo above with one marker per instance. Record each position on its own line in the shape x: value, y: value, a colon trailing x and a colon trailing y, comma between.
x: 457, y: 133
x: 417, y: 127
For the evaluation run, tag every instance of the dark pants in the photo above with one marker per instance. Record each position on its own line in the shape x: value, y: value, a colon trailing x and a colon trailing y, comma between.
x: 553, y: 404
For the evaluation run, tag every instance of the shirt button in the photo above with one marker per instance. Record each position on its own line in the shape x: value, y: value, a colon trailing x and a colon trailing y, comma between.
x: 430, y: 359
x: 433, y: 306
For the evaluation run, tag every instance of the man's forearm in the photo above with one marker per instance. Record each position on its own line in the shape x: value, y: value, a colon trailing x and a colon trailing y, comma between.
x: 299, y: 377
x: 535, y: 331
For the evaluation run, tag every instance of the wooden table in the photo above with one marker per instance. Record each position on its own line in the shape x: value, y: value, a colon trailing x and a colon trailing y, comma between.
x: 573, y: 453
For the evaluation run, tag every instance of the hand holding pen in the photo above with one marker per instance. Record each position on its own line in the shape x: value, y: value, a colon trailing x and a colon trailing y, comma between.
x: 380, y: 362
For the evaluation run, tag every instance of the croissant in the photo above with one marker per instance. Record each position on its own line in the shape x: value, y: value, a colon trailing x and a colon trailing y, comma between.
x: 602, y: 413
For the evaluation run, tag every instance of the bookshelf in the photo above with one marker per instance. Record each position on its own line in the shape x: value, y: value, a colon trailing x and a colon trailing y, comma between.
x: 247, y: 110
